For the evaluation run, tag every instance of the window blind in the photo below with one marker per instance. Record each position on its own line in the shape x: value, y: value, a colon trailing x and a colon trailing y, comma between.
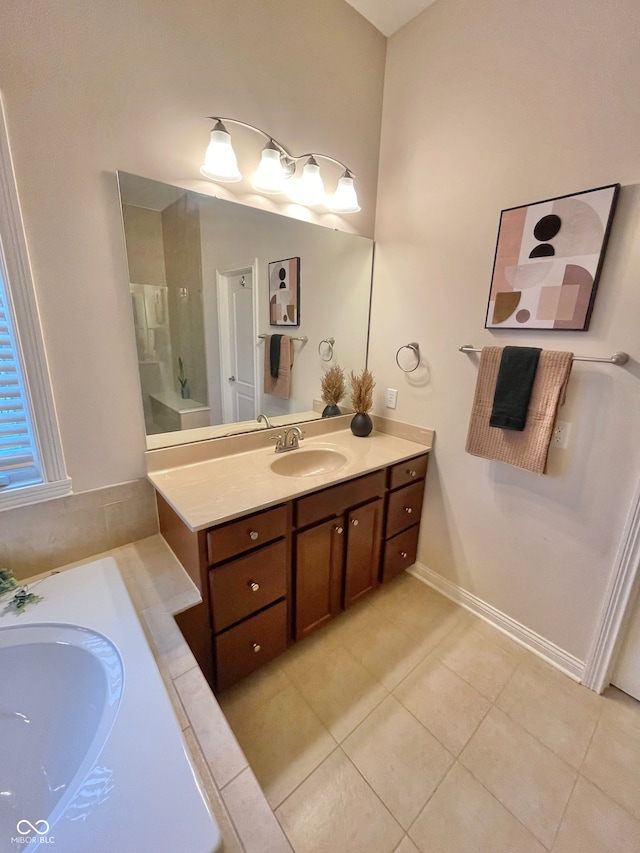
x: 19, y: 462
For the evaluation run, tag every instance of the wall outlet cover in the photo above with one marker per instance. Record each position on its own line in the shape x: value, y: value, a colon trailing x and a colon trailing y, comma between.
x: 391, y: 398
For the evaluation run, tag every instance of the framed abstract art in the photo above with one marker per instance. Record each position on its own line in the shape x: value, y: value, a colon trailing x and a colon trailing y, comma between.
x: 284, y: 292
x: 548, y: 261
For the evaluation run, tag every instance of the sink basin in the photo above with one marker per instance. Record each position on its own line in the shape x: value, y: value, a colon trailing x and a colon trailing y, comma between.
x: 307, y: 463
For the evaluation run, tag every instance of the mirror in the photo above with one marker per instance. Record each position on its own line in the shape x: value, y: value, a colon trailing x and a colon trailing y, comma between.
x: 206, y: 285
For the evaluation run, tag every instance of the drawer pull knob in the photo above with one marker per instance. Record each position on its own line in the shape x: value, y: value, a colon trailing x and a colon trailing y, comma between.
x: 253, y: 535
x: 338, y: 530
x: 253, y: 586
x: 256, y: 647
x: 355, y: 522
x: 411, y: 472
x: 408, y: 510
x: 404, y: 555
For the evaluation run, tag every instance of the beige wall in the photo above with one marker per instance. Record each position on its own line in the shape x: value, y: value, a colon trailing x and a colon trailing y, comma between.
x: 125, y: 84
x: 144, y: 245
x: 487, y: 106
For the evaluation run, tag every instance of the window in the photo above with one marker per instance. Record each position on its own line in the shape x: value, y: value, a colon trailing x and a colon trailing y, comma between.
x: 31, y: 461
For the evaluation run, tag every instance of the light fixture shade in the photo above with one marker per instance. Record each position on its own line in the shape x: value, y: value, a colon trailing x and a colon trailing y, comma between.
x: 269, y: 177
x: 309, y: 188
x: 345, y: 199
x: 220, y: 163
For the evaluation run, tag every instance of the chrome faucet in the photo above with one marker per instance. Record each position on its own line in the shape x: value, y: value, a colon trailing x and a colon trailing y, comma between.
x: 290, y: 440
x: 266, y: 420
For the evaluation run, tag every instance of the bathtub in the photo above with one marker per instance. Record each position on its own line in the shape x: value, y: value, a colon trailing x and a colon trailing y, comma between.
x: 91, y: 754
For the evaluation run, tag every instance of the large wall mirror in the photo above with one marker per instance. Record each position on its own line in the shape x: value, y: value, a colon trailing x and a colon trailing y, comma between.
x: 199, y: 277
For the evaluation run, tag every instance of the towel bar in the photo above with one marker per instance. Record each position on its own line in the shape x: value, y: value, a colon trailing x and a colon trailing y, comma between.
x: 619, y: 358
x: 302, y: 338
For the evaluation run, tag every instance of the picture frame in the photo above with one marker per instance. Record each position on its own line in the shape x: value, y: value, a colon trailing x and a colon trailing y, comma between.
x: 548, y: 260
x: 284, y: 292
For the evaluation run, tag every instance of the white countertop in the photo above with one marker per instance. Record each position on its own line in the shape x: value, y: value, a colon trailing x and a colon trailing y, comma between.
x: 217, y: 490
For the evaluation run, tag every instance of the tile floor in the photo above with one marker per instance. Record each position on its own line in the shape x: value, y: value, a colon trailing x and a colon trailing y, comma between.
x: 409, y: 726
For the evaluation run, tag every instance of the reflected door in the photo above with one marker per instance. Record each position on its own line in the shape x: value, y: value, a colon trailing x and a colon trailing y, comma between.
x: 238, y: 345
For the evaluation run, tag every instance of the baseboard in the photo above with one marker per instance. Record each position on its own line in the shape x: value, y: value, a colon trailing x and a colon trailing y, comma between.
x: 562, y: 660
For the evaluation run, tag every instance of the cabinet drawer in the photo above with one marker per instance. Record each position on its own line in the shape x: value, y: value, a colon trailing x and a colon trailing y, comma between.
x: 248, y: 532
x: 408, y: 471
x: 250, y: 644
x: 400, y: 553
x: 247, y: 584
x: 337, y: 499
x: 404, y: 508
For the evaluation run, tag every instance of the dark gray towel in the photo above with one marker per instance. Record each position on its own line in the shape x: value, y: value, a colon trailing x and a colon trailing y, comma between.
x: 274, y: 355
x: 517, y: 372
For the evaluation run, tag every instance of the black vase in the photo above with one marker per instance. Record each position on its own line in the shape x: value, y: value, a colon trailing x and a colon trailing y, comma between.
x: 330, y: 411
x: 361, y: 424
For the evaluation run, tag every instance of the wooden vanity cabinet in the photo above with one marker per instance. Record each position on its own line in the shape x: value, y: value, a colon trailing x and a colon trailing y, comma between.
x: 336, y: 560
x: 280, y: 574
x: 402, y: 523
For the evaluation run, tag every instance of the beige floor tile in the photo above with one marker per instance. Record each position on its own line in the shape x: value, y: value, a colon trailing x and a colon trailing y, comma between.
x: 595, y: 824
x: 463, y: 817
x: 387, y: 651
x: 406, y: 846
x: 529, y: 779
x: 340, y: 690
x: 335, y: 810
x: 612, y: 761
x: 483, y: 663
x: 549, y: 705
x: 427, y: 617
x: 283, y: 741
x: 443, y: 702
x: 398, y: 757
x: 252, y: 692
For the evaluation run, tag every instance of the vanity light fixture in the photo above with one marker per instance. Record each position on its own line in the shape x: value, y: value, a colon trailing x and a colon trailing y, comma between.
x: 276, y: 167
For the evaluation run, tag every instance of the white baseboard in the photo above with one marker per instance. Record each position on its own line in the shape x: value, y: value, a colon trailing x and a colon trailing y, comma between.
x: 562, y: 660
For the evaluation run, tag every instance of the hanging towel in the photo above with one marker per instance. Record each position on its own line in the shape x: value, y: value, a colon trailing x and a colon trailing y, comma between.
x: 527, y: 449
x: 274, y: 355
x: 518, y: 367
x: 279, y: 386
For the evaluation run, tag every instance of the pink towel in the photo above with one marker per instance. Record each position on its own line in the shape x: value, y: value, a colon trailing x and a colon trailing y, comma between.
x: 527, y: 449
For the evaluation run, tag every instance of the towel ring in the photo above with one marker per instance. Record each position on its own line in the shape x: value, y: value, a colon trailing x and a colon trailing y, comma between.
x: 329, y: 351
x: 415, y: 348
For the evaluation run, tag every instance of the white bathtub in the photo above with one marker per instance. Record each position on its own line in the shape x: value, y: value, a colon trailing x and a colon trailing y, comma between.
x: 91, y: 754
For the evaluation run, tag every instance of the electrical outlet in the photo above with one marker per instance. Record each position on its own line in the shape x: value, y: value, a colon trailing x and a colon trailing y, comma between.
x: 391, y: 398
x: 560, y: 435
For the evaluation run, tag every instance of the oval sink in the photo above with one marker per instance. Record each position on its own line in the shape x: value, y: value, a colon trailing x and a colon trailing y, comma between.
x: 307, y: 463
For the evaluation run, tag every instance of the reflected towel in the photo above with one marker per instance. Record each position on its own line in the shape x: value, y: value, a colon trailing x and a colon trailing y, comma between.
x: 527, y: 449
x: 281, y: 385
x: 274, y: 355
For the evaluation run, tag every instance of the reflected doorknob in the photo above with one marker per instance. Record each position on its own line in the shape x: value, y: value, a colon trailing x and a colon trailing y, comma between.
x: 232, y: 379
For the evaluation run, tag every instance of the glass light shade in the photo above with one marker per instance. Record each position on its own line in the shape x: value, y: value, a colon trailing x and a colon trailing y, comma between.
x: 345, y: 199
x: 220, y: 163
x: 269, y: 176
x: 309, y: 189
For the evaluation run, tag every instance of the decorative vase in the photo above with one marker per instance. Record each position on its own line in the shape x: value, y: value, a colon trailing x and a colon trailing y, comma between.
x: 185, y: 392
x: 330, y: 411
x: 361, y: 424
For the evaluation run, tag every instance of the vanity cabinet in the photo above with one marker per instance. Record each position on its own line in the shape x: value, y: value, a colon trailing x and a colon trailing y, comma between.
x: 275, y: 576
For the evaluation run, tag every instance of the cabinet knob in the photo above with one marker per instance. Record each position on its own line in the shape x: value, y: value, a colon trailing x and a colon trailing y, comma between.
x: 338, y: 530
x: 355, y: 522
x: 253, y: 535
x: 256, y: 647
x: 411, y: 472
x: 404, y: 555
x: 253, y: 586
x: 408, y: 510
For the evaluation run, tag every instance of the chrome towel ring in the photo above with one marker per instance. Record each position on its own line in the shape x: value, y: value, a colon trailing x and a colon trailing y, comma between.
x: 415, y: 348
x: 328, y: 351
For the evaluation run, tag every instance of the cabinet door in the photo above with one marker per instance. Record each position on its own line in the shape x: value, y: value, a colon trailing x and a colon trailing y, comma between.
x: 363, y: 551
x: 319, y: 558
